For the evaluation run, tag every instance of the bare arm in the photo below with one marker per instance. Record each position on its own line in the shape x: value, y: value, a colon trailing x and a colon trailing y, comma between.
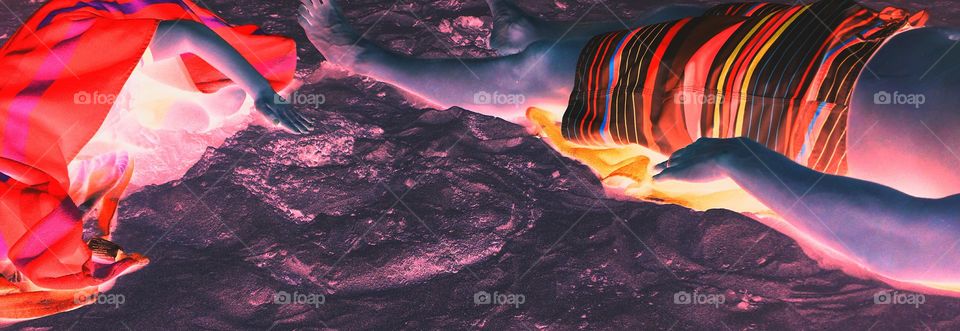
x: 174, y: 38
x: 881, y: 226
x: 782, y: 184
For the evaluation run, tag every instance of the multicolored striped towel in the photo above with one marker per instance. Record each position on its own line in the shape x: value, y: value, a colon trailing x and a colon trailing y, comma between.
x: 781, y: 75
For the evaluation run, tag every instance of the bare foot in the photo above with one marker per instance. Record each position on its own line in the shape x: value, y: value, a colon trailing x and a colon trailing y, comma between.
x: 330, y: 32
x: 513, y: 30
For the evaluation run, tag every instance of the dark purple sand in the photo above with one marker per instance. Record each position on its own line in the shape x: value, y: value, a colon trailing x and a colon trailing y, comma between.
x: 484, y: 207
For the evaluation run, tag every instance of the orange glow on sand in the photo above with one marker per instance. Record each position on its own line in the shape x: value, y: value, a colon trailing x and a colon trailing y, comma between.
x: 24, y: 301
x: 626, y: 173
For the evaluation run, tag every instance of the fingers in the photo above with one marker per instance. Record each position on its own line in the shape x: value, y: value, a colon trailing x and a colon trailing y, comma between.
x: 701, y: 148
x: 287, y: 122
x: 662, y: 165
x: 302, y: 121
x: 672, y: 163
x: 305, y: 124
x: 691, y: 173
x: 297, y: 118
x: 269, y: 113
x: 281, y: 116
x: 279, y: 111
x: 299, y: 122
x: 308, y: 120
x: 675, y: 173
x: 675, y: 159
x: 690, y: 164
x: 700, y: 162
x: 290, y: 122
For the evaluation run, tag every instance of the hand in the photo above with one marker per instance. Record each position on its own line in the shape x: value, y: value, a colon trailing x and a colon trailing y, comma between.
x: 705, y: 160
x: 278, y: 111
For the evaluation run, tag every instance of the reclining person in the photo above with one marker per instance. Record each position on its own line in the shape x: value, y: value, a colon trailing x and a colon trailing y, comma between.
x: 793, y: 103
x: 69, y: 49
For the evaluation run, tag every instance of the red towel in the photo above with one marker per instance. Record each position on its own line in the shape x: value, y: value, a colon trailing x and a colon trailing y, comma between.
x: 57, y: 71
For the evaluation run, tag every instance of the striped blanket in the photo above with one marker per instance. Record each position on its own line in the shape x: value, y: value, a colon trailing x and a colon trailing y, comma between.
x: 781, y: 75
x: 60, y: 74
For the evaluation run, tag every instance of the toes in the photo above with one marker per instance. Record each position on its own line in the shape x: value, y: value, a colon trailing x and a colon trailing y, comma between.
x: 304, y: 18
x: 311, y: 12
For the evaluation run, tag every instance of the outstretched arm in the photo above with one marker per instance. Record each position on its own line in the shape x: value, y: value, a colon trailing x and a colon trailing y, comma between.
x: 174, y: 38
x: 876, y: 223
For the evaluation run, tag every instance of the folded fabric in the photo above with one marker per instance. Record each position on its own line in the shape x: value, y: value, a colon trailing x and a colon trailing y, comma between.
x: 63, y: 69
